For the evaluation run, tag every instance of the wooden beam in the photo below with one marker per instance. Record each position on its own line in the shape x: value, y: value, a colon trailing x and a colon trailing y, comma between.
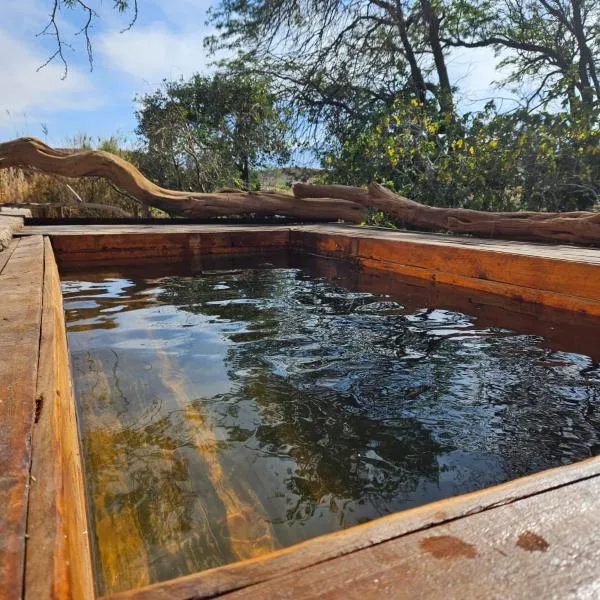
x: 58, y: 560
x: 20, y: 317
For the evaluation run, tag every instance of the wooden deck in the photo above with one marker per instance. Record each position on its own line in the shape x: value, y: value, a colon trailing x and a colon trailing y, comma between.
x: 533, y: 536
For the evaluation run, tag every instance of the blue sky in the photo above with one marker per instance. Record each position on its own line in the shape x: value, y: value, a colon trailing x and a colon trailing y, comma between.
x: 165, y: 42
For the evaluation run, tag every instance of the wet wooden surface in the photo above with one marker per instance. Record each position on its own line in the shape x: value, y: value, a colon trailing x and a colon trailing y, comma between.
x: 128, y: 557
x: 20, y: 316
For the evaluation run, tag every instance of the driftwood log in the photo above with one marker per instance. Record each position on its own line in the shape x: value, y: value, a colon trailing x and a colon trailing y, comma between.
x: 33, y: 153
x: 327, y: 202
x: 574, y: 227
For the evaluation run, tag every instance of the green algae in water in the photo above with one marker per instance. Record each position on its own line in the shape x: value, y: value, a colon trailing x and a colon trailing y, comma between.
x: 225, y: 415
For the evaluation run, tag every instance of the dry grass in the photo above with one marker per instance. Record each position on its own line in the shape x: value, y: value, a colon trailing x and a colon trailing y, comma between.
x: 14, y: 186
x: 28, y: 186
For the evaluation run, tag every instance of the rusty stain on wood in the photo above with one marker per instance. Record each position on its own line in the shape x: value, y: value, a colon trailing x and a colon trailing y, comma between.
x: 447, y: 547
x: 532, y: 542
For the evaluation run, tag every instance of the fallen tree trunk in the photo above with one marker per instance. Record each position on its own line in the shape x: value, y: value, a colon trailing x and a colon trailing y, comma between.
x: 33, y: 153
x: 327, y: 202
x: 574, y: 227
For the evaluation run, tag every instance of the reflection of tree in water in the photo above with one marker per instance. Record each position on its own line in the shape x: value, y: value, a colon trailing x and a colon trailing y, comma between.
x: 345, y: 453
x: 341, y: 455
x: 364, y: 398
x: 155, y: 516
x: 342, y: 406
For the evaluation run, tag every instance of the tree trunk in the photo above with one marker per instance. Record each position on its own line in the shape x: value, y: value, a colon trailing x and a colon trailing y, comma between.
x: 245, y: 173
x: 309, y: 202
x: 415, y: 70
x: 573, y: 227
x: 33, y: 153
x: 433, y: 32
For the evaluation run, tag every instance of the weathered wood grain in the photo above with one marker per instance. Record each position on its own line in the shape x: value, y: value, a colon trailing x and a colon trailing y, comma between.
x: 129, y: 248
x: 328, y: 547
x: 20, y: 316
x: 31, y: 152
x: 58, y: 563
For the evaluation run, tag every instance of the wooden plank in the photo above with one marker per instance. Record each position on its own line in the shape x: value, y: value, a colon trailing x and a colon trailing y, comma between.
x: 567, y: 302
x: 325, y: 548
x: 8, y: 226
x: 557, y: 251
x: 20, y: 316
x: 545, y: 546
x: 549, y: 274
x: 58, y: 561
x: 564, y: 284
x: 7, y: 253
x: 130, y: 248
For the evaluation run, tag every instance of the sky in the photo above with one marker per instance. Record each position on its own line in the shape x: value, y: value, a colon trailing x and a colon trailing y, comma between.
x: 165, y: 42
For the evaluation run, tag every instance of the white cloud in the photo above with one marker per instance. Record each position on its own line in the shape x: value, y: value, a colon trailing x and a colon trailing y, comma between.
x: 155, y: 52
x: 27, y: 93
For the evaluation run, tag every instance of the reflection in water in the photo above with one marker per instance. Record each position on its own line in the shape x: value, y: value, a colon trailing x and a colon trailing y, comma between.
x: 224, y: 415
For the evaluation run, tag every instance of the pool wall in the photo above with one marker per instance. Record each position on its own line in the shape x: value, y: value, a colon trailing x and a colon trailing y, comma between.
x: 45, y: 549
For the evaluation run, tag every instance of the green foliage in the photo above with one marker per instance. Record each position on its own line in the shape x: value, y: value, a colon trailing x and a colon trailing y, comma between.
x: 488, y: 161
x: 210, y: 132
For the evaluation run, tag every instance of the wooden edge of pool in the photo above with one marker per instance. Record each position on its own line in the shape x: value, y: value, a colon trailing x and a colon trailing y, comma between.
x: 58, y: 560
x: 562, y: 277
x: 537, y: 532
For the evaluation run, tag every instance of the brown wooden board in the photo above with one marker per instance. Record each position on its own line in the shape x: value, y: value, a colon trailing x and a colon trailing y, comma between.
x: 328, y: 547
x: 58, y: 563
x: 539, y: 277
x: 129, y: 248
x: 400, y: 550
x: 20, y: 316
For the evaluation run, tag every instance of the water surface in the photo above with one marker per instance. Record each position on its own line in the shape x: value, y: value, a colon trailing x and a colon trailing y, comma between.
x: 225, y: 414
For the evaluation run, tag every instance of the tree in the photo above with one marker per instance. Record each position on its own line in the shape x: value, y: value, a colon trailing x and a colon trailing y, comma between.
x: 88, y: 14
x: 552, y: 44
x: 212, y: 131
x: 335, y: 57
